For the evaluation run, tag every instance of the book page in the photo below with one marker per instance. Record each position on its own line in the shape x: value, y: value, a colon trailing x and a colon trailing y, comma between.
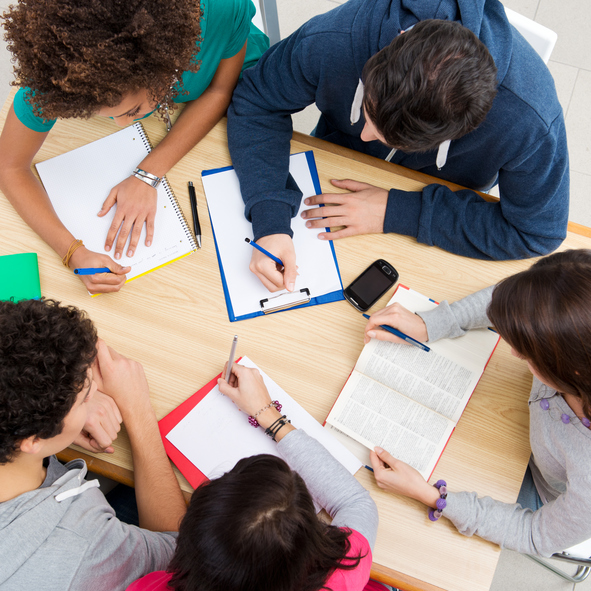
x: 375, y: 415
x: 79, y: 181
x: 215, y: 434
x: 317, y: 268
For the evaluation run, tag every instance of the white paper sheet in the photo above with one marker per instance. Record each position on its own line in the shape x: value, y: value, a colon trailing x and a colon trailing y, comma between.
x: 317, y: 269
x: 78, y: 182
x: 215, y: 434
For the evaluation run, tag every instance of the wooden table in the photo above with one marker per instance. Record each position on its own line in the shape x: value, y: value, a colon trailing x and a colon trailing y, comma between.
x: 174, y: 321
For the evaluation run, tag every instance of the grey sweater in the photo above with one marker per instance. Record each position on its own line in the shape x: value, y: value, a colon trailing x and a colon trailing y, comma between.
x: 331, y: 486
x: 65, y: 536
x: 561, y: 456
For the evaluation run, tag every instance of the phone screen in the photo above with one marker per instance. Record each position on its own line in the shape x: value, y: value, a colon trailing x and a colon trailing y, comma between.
x: 371, y: 285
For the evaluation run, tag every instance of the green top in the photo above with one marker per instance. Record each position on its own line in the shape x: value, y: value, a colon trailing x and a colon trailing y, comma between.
x: 20, y: 277
x: 219, y: 41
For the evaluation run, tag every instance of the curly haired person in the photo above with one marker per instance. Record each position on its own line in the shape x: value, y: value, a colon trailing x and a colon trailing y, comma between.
x: 57, y: 531
x: 122, y: 60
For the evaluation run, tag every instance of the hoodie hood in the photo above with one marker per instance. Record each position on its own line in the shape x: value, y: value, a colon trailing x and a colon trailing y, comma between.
x: 28, y: 520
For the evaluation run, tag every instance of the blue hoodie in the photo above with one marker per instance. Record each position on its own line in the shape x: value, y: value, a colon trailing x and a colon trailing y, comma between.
x: 521, y: 144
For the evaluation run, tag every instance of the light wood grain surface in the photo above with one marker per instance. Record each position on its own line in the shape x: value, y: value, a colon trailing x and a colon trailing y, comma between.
x: 174, y: 321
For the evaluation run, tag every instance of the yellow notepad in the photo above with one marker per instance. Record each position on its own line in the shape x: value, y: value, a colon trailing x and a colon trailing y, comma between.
x: 79, y: 181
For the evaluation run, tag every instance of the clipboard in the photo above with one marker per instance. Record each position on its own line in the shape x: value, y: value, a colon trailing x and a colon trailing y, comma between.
x: 268, y: 303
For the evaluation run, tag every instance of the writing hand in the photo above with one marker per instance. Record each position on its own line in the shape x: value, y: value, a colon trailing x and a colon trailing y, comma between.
x: 246, y: 388
x: 361, y: 212
x: 398, y: 317
x: 398, y: 477
x: 103, y: 422
x: 266, y: 269
x: 100, y: 282
x: 136, y: 204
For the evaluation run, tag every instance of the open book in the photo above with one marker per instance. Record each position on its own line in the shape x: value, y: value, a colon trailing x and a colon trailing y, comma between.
x: 409, y: 401
x: 79, y: 181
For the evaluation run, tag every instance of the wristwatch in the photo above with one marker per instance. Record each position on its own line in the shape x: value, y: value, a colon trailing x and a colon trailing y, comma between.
x: 147, y: 177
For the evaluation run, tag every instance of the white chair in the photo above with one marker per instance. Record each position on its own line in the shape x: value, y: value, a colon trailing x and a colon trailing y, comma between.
x: 539, y: 37
x: 267, y: 20
x: 574, y: 556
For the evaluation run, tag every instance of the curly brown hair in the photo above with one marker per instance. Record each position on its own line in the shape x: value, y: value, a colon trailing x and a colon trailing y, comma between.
x: 46, y: 349
x: 78, y: 56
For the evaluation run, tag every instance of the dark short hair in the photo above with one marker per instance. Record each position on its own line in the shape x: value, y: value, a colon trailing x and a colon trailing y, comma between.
x: 45, y: 352
x: 255, y: 528
x: 433, y: 83
x: 77, y: 56
x: 544, y: 313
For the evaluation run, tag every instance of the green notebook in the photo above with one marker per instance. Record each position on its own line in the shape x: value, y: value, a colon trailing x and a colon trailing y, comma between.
x: 20, y: 277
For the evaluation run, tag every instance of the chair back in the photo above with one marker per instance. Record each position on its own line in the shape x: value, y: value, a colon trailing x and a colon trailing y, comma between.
x: 538, y: 36
x: 267, y: 20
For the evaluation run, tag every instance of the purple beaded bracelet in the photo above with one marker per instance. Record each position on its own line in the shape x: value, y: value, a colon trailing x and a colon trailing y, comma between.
x: 441, y: 503
x: 253, y: 419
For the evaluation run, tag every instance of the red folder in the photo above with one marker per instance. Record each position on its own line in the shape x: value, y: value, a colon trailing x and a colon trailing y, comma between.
x: 187, y: 468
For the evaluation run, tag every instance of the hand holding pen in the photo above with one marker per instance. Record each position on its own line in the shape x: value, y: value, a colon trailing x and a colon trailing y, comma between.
x: 273, y: 262
x: 90, y: 266
x: 403, y: 325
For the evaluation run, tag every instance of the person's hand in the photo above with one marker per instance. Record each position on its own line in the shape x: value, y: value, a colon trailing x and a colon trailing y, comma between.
x: 102, y: 424
x: 398, y: 477
x: 267, y: 270
x: 399, y: 317
x: 123, y: 379
x: 100, y: 282
x: 136, y: 204
x: 246, y: 388
x: 361, y: 212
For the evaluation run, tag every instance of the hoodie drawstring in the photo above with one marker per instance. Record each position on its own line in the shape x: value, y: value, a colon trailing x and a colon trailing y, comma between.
x: 77, y: 490
x: 357, y: 102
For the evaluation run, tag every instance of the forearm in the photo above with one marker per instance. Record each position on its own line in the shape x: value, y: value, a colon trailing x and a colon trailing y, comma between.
x: 159, y: 499
x: 29, y: 199
x: 337, y: 491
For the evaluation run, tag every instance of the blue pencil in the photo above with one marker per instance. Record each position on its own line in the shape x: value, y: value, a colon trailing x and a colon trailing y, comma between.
x: 260, y: 248
x: 92, y: 271
x: 402, y: 336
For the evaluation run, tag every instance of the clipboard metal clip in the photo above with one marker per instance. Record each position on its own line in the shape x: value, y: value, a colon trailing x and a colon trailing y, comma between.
x: 284, y: 301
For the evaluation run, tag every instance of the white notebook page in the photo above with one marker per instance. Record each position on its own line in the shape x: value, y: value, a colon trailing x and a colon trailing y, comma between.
x: 78, y: 182
x: 317, y: 268
x: 215, y: 434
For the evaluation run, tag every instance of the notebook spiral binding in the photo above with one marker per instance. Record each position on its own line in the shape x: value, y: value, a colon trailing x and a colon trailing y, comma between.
x: 168, y: 189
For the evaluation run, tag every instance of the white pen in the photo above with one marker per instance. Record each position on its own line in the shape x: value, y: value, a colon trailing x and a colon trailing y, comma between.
x: 231, y: 360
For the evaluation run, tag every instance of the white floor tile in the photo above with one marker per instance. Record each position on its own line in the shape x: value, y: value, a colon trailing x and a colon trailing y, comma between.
x: 580, y: 198
x: 564, y: 78
x: 293, y: 15
x: 571, y: 19
x: 578, y: 124
x: 516, y: 572
x: 525, y: 7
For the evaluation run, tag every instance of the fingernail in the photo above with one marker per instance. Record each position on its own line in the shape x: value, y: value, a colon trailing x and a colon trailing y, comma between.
x: 149, y: 243
x: 130, y: 253
x: 371, y: 334
x: 107, y: 248
x: 378, y: 450
x: 118, y: 255
x: 321, y: 237
x: 307, y: 201
x: 303, y: 214
x: 290, y: 286
x: 308, y: 224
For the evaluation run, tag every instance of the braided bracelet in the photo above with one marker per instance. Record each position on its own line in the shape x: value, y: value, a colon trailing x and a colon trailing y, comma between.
x: 253, y: 418
x: 75, y: 244
x: 441, y: 503
x: 276, y: 427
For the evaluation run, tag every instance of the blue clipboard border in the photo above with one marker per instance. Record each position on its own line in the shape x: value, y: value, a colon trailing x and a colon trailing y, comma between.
x: 328, y: 298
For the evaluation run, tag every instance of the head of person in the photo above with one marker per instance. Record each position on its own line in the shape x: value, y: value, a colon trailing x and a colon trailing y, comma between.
x: 255, y: 528
x: 46, y: 350
x: 544, y: 314
x: 84, y: 58
x: 434, y: 82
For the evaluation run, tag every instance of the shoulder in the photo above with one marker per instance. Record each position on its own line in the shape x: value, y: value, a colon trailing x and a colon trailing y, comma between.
x: 343, y: 580
x: 23, y: 109
x: 156, y: 581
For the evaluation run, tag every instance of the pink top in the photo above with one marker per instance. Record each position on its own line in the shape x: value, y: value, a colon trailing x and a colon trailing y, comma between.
x: 341, y: 580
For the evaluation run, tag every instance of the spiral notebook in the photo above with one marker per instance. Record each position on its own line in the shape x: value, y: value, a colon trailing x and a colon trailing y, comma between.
x: 79, y: 181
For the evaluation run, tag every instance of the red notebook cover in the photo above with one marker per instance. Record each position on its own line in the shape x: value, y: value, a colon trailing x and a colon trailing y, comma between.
x: 187, y: 468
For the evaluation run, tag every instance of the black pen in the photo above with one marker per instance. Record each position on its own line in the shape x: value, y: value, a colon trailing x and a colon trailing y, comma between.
x: 196, y: 225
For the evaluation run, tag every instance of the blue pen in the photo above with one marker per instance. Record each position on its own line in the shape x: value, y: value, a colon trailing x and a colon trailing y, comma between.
x: 92, y: 271
x: 271, y: 256
x: 402, y: 336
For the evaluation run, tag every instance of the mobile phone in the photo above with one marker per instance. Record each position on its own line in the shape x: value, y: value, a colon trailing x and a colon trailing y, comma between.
x: 371, y: 285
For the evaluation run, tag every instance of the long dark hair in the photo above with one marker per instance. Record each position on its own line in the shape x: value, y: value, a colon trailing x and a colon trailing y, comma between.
x: 544, y: 313
x: 256, y: 529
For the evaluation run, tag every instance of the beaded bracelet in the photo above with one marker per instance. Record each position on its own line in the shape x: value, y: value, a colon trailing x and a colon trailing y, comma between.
x: 276, y: 427
x: 441, y: 503
x: 75, y: 244
x: 253, y: 418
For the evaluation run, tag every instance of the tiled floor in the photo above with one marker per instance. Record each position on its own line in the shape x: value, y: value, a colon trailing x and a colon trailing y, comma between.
x: 571, y: 68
